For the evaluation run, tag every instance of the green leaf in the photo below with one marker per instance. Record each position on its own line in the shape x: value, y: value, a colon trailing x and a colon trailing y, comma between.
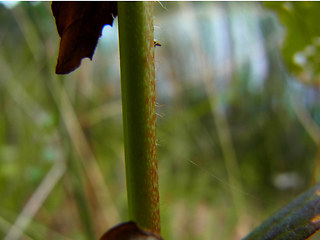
x: 299, y: 220
x: 301, y: 47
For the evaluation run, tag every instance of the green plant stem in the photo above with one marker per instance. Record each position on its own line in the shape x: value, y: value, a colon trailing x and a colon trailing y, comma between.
x: 78, y: 190
x: 298, y: 220
x: 139, y: 112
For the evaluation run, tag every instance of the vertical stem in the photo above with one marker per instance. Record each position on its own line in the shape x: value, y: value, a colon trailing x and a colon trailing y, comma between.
x: 74, y: 175
x: 139, y: 112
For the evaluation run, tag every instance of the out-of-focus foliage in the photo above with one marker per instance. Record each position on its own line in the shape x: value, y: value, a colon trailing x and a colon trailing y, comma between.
x: 237, y: 137
x: 301, y: 47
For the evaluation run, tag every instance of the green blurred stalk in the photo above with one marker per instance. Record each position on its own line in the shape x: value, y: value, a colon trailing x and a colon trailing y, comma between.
x: 139, y: 112
x: 75, y: 175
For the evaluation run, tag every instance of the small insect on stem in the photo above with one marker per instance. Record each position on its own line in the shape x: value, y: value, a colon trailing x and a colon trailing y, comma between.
x: 155, y: 43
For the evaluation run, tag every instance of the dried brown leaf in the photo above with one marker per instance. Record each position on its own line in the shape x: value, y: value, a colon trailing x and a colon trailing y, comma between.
x: 129, y: 231
x: 79, y: 26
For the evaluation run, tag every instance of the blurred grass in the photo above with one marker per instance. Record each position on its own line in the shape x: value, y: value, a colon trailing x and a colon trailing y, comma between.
x: 222, y: 93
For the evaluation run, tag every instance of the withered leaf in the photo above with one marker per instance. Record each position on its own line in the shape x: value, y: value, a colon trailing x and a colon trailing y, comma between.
x: 79, y: 26
x: 129, y: 231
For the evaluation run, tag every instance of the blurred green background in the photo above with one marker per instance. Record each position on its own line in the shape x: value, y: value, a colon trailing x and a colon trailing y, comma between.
x: 238, y: 136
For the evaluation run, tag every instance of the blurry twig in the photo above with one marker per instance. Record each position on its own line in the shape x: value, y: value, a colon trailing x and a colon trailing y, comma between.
x: 88, y: 160
x: 5, y: 225
x: 29, y: 32
x: 35, y: 112
x: 306, y: 120
x: 102, y: 112
x: 311, y: 128
x: 20, y: 96
x: 220, y: 118
x: 73, y: 126
x: 36, y: 200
